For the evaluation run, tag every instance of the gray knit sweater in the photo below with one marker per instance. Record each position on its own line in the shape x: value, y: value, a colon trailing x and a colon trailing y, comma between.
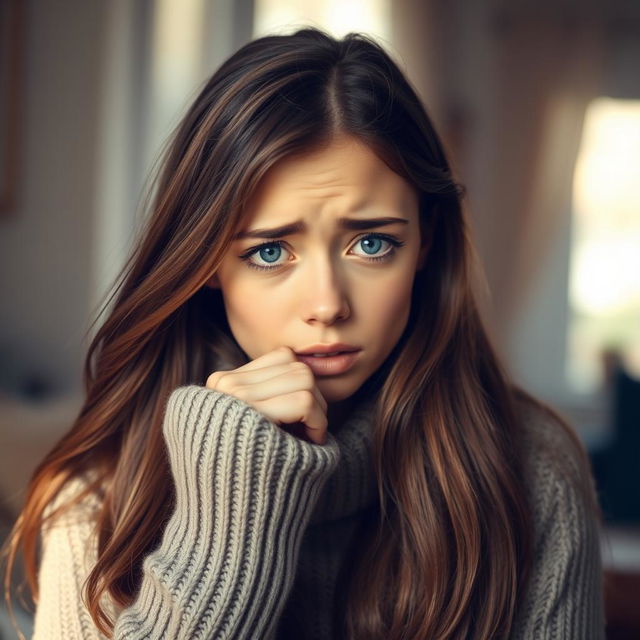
x: 262, y: 525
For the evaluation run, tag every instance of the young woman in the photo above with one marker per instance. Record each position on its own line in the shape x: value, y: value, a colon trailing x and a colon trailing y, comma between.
x: 295, y: 425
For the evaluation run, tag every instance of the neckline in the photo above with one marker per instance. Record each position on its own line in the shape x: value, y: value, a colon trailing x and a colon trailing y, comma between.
x: 352, y: 486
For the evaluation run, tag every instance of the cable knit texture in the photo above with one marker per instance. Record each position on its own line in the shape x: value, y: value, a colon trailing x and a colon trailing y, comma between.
x: 263, y: 522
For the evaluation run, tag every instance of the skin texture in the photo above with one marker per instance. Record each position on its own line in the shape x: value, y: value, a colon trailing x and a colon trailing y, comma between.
x: 324, y: 287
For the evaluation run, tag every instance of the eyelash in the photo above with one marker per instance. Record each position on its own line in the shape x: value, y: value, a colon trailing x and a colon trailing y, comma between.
x: 395, y: 243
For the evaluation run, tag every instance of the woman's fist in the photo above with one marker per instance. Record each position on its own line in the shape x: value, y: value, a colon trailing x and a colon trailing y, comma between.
x: 281, y: 388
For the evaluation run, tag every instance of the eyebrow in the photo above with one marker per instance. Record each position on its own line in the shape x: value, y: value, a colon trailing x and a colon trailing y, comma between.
x: 350, y: 224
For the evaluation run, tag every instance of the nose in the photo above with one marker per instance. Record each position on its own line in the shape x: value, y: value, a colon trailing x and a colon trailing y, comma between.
x: 324, y: 293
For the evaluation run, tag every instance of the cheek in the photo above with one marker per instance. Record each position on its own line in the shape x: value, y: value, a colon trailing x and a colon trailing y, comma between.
x: 253, y: 315
x: 246, y: 307
x: 386, y: 305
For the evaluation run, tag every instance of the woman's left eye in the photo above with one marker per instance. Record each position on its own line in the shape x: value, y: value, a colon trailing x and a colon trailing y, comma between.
x: 371, y: 244
x: 270, y: 252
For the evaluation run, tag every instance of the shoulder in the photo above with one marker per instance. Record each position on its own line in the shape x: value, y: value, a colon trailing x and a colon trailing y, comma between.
x: 75, y: 503
x: 563, y: 597
x: 69, y: 530
x: 545, y: 432
x: 69, y: 554
x: 556, y: 471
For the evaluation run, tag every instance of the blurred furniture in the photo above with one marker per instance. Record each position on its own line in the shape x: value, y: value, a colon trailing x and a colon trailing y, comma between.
x: 28, y: 430
x: 621, y: 560
x: 616, y: 469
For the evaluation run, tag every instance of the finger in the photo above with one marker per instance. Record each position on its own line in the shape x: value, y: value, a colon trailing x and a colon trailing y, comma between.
x: 270, y: 371
x: 320, y: 398
x: 280, y: 355
x: 296, y: 407
x: 290, y: 380
x: 316, y: 391
x: 283, y: 356
x: 274, y: 370
x: 258, y: 376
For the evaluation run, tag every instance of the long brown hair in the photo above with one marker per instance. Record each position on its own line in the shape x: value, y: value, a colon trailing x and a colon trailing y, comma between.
x: 448, y: 553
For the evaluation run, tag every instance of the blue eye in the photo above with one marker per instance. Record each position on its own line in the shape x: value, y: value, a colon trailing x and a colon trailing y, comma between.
x: 271, y: 251
x: 376, y: 242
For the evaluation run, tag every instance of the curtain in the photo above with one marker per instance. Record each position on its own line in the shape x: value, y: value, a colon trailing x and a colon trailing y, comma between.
x: 510, y: 88
x: 545, y: 73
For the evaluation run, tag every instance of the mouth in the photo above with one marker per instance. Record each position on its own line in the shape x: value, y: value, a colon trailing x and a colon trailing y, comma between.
x: 328, y: 349
x: 328, y: 364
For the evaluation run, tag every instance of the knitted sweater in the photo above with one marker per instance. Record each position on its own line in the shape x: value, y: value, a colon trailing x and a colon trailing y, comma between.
x: 263, y: 522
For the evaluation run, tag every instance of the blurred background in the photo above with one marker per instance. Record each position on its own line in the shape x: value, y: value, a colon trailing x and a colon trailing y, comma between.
x: 538, y: 103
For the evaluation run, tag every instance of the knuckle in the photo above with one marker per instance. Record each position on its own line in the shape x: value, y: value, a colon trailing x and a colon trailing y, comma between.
x: 309, y: 378
x: 214, y: 379
x: 307, y: 399
x: 233, y: 389
x: 304, y: 372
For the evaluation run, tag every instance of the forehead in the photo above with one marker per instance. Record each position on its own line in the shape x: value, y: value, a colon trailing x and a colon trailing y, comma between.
x: 343, y: 177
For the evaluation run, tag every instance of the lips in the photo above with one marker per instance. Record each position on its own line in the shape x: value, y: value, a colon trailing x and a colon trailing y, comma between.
x: 327, y: 365
x: 335, y: 348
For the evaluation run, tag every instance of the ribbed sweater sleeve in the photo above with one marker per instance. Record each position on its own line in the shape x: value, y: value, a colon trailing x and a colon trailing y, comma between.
x: 245, y: 491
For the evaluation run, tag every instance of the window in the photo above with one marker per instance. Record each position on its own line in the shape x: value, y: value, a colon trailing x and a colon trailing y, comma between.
x: 338, y: 17
x: 604, y: 279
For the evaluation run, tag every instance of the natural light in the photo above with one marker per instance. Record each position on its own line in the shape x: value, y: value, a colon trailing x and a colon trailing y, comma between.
x: 604, y: 289
x: 338, y: 17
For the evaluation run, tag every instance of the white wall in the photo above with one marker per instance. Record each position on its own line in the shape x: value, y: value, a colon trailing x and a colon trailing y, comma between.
x: 97, y: 111
x: 45, y: 248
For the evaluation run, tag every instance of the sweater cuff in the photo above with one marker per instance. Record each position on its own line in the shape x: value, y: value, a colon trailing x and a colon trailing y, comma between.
x: 245, y: 491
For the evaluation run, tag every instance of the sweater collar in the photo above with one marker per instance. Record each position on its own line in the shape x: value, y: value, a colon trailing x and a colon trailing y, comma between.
x: 352, y: 486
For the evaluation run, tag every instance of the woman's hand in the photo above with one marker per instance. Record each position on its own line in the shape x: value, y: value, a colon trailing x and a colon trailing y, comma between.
x: 281, y: 388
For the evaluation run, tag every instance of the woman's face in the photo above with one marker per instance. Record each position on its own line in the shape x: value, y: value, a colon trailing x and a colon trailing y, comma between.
x: 324, y: 282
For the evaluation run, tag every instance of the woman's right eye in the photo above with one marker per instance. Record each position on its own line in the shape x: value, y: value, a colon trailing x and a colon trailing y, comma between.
x: 269, y: 252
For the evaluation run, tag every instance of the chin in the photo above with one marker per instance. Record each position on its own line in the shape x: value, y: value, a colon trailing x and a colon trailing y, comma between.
x: 336, y: 390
